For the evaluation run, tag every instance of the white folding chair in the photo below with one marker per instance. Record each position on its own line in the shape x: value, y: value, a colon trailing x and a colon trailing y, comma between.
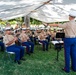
x: 9, y: 54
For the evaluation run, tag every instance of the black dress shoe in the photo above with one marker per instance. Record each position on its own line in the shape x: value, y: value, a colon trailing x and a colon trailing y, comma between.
x: 28, y: 54
x: 31, y: 52
x: 23, y: 59
x: 17, y: 61
x: 43, y: 49
x: 2, y: 50
x: 46, y: 50
x: 65, y: 70
x: 73, y: 69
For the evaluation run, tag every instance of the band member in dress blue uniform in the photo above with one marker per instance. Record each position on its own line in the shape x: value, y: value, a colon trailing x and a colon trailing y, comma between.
x: 48, y: 33
x: 26, y: 41
x: 9, y: 41
x: 69, y: 41
x: 1, y: 43
x: 42, y: 39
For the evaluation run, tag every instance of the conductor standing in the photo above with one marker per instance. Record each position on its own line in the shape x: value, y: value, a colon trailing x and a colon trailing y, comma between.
x: 69, y: 42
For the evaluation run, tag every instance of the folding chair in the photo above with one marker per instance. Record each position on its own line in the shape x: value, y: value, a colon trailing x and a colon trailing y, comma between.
x: 9, y: 54
x: 25, y: 47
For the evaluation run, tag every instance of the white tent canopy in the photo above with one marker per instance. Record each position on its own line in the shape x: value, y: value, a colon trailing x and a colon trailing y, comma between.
x: 10, y: 9
x: 55, y: 11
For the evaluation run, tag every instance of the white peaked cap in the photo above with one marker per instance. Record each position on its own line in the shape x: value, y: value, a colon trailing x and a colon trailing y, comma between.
x: 28, y: 28
x: 41, y: 28
x: 72, y: 13
x: 7, y: 28
x: 18, y: 29
x: 23, y: 28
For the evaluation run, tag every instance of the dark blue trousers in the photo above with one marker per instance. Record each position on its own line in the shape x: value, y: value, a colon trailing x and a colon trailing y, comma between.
x: 2, y: 46
x: 19, y: 51
x: 28, y: 44
x: 45, y: 44
x: 48, y: 38
x: 70, y: 52
x: 33, y: 39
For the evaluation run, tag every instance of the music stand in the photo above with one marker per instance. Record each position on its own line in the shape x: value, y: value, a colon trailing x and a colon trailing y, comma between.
x: 60, y: 35
x: 59, y: 45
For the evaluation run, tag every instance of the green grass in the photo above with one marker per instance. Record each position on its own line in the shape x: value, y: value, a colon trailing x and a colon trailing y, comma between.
x: 39, y: 63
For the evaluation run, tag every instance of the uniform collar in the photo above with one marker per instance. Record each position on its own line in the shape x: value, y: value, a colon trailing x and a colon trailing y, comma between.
x: 72, y: 21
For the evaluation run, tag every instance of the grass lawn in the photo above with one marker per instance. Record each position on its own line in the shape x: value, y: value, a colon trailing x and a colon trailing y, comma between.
x: 38, y: 63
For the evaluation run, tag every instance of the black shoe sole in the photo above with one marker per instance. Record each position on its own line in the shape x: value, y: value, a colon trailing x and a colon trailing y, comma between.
x: 65, y: 70
x: 17, y: 61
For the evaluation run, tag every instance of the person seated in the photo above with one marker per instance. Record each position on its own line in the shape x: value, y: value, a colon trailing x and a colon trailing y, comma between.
x: 53, y: 35
x: 33, y: 37
x: 1, y: 43
x: 26, y: 42
x: 24, y: 25
x: 42, y: 39
x: 29, y: 34
x: 48, y: 33
x: 17, y: 33
x: 9, y: 41
x: 17, y: 26
x: 7, y: 24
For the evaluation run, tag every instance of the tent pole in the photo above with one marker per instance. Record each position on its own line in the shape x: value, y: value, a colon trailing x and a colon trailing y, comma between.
x: 27, y: 18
